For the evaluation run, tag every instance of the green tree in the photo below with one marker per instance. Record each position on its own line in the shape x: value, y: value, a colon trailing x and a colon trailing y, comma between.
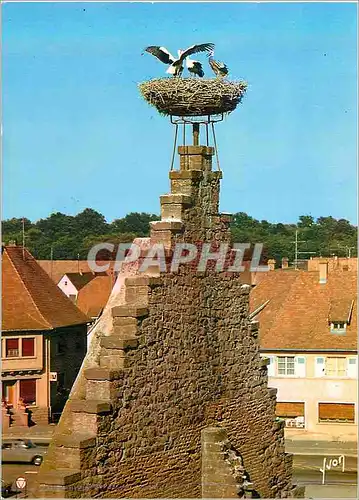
x: 134, y: 222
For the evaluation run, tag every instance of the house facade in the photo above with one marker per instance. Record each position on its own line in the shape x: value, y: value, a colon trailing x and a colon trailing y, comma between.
x: 43, y: 338
x: 89, y: 291
x: 308, y: 332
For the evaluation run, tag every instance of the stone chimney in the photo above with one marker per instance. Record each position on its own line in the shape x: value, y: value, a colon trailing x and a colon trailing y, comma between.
x: 271, y: 264
x: 323, y: 271
x: 285, y: 262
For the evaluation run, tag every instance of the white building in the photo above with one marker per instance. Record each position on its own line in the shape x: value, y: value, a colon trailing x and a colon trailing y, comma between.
x: 308, y: 330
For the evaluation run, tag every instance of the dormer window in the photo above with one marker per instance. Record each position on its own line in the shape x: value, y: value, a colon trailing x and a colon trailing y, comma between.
x: 338, y: 327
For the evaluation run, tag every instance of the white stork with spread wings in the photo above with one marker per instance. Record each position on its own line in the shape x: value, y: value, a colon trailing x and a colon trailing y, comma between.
x: 176, y: 65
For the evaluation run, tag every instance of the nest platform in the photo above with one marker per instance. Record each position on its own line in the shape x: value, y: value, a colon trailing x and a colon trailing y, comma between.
x: 193, y: 96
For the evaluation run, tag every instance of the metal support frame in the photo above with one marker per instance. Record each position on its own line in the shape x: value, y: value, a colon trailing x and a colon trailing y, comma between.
x: 196, y: 121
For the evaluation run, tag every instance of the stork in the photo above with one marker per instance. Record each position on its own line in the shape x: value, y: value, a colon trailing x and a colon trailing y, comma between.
x: 194, y: 67
x: 176, y: 65
x: 219, y: 68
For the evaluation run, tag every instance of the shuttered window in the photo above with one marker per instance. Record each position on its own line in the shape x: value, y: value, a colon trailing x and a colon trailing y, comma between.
x: 12, y: 348
x: 289, y: 409
x: 335, y: 366
x: 28, y: 391
x: 336, y: 412
x: 28, y: 347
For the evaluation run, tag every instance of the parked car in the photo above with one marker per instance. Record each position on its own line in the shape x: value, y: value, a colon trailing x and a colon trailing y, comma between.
x: 22, y: 450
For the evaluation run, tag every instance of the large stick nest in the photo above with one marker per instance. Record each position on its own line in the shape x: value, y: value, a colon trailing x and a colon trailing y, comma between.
x: 193, y: 96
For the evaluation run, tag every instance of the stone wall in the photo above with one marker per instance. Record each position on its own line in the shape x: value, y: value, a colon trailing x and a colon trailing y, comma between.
x: 179, y: 355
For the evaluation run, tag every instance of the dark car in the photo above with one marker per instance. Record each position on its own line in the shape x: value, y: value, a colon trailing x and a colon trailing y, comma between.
x: 5, y: 489
x: 22, y: 450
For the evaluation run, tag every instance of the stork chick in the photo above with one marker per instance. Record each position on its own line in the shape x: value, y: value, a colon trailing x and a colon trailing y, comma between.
x: 219, y: 68
x: 194, y: 67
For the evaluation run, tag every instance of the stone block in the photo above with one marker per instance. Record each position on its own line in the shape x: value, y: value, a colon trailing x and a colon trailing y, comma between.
x: 114, y: 361
x: 139, y: 280
x: 169, y: 225
x: 79, y: 440
x: 100, y: 374
x: 127, y: 331
x: 84, y: 421
x: 99, y: 389
x: 193, y: 175
x: 90, y: 406
x: 176, y: 199
x: 129, y: 311
x: 124, y: 321
x: 116, y: 342
x: 60, y: 477
x: 136, y: 296
x: 196, y: 150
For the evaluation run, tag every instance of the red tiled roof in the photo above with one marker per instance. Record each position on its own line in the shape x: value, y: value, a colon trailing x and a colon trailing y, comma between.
x: 299, y: 309
x: 30, y: 299
x: 93, y: 297
x: 79, y: 280
x: 57, y: 268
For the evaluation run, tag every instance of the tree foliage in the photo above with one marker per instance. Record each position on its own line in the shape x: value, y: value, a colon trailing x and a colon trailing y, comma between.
x: 70, y: 237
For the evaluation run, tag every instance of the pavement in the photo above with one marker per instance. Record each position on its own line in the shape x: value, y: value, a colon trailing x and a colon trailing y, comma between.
x: 39, y: 434
x: 43, y: 434
x: 323, y: 448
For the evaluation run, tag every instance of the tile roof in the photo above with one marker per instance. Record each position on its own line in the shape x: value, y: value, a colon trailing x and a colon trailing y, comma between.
x: 30, y: 299
x: 300, y: 308
x: 57, y: 268
x: 93, y: 297
x: 79, y: 280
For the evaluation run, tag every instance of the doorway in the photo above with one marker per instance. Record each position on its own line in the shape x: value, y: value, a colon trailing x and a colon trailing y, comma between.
x: 9, y: 392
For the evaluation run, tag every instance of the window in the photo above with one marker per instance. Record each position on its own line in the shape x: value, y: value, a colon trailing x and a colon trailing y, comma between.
x: 336, y: 412
x: 28, y: 347
x: 292, y: 413
x: 335, y: 367
x: 286, y: 365
x: 338, y: 327
x: 28, y: 391
x: 12, y: 348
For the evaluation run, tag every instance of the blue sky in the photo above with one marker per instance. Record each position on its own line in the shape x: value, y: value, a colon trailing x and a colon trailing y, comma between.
x: 77, y: 133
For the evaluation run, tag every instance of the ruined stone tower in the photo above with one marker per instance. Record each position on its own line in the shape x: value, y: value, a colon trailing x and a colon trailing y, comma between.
x: 172, y: 399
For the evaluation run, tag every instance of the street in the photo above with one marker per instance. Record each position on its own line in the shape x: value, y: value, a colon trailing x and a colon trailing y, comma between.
x: 306, y: 473
x: 10, y: 472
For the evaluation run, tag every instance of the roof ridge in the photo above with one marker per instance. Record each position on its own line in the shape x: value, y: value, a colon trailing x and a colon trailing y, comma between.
x: 46, y: 323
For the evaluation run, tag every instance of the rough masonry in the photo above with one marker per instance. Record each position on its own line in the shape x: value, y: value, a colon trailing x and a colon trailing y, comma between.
x: 172, y: 399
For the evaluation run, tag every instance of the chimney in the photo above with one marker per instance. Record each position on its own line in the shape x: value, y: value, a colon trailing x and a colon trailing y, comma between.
x: 12, y: 243
x: 271, y: 264
x: 285, y: 263
x: 323, y: 271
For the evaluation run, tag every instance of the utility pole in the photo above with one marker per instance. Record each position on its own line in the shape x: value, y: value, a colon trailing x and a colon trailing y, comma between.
x: 297, y: 252
x: 23, y: 238
x: 349, y: 249
x: 51, y: 259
